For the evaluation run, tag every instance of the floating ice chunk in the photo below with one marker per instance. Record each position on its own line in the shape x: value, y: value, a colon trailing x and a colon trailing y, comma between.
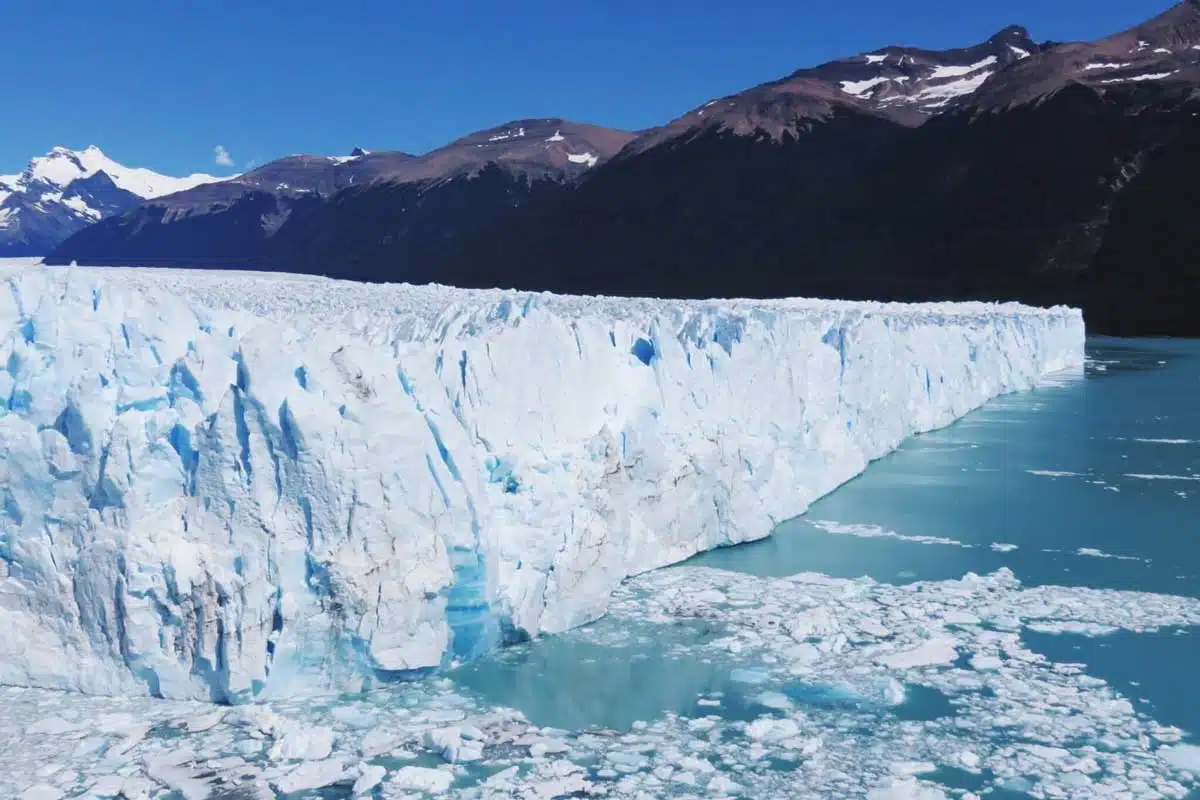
x: 205, y: 722
x: 1152, y: 477
x: 906, y: 789
x: 913, y: 767
x: 108, y: 786
x: 750, y: 676
x: 1182, y: 756
x: 53, y: 725
x: 312, y: 775
x: 774, y: 700
x: 177, y: 771
x: 372, y: 775
x: 556, y: 779
x: 541, y: 746
x: 697, y: 765
x: 42, y: 791
x: 377, y: 742
x: 938, y: 649
x: 312, y: 744
x: 986, y: 662
x: 868, y: 531
x: 421, y: 779
x: 1003, y: 547
x: 892, y: 691
x: 1092, y: 552
x: 723, y: 785
x: 454, y: 744
x: 770, y: 729
x: 1072, y: 626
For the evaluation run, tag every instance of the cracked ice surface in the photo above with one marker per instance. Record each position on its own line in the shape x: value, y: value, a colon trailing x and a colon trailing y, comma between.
x: 224, y: 486
x: 837, y: 674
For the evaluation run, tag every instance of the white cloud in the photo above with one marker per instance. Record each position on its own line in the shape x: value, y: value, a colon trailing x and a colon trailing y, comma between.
x: 223, y: 158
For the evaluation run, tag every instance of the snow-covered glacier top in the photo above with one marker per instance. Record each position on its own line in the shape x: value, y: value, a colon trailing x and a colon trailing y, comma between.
x: 221, y: 485
x: 309, y: 300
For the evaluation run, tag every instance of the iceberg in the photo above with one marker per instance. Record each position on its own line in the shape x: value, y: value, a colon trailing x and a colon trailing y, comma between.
x: 224, y: 486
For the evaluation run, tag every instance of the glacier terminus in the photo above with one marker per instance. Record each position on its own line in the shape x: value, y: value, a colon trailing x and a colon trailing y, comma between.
x: 227, y: 486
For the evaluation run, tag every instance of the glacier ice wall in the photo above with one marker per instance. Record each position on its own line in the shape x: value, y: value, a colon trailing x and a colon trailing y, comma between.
x: 222, y: 485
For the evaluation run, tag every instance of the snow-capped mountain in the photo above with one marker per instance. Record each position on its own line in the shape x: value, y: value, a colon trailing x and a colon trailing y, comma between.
x: 1162, y: 50
x: 65, y: 190
x: 901, y: 84
x: 1041, y: 172
x: 283, y: 210
x: 1047, y: 172
x: 909, y: 82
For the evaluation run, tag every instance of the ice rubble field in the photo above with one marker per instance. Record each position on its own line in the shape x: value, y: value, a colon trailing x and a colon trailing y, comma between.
x: 260, y: 489
x: 833, y: 665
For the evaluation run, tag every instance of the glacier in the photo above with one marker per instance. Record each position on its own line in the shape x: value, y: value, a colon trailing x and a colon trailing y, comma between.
x: 227, y: 486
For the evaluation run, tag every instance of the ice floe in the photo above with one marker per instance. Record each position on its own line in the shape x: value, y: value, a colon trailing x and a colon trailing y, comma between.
x: 853, y: 688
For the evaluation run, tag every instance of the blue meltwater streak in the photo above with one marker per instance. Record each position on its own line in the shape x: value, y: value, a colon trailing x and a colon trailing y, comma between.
x: 474, y: 627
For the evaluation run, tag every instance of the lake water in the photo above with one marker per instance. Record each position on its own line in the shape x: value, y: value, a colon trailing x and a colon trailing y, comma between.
x: 1004, y: 608
x: 1089, y: 481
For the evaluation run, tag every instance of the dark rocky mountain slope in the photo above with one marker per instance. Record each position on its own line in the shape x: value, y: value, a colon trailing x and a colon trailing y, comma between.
x: 1069, y: 189
x: 1047, y: 173
x: 313, y: 212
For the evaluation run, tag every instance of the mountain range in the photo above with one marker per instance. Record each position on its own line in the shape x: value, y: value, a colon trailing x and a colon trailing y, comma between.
x: 65, y: 191
x: 1012, y: 169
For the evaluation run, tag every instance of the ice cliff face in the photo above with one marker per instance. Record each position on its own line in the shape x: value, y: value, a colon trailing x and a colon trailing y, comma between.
x: 221, y: 485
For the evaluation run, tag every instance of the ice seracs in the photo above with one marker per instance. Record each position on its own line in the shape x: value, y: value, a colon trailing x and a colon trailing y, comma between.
x: 226, y: 486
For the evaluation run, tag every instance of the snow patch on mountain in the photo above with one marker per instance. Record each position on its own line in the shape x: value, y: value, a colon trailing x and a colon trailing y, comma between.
x: 862, y: 88
x: 956, y: 71
x: 941, y: 94
x: 583, y: 158
x: 1149, y: 76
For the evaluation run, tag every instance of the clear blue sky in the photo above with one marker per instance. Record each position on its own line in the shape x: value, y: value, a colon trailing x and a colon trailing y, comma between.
x: 161, y: 83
